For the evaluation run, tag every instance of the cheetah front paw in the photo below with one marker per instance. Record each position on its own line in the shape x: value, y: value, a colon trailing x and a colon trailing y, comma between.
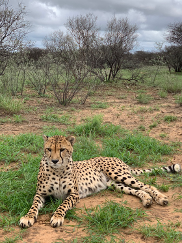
x: 56, y: 221
x: 27, y: 221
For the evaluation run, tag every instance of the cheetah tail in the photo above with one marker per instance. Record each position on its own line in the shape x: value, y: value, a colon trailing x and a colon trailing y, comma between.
x: 175, y: 168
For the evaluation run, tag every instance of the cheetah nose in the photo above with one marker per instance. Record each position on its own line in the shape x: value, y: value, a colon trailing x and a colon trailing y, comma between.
x: 55, y: 161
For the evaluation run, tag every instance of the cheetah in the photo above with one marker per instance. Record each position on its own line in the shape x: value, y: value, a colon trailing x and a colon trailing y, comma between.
x: 62, y: 178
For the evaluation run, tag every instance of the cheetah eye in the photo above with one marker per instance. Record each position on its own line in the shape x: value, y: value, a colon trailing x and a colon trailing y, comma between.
x: 62, y: 149
x: 49, y: 149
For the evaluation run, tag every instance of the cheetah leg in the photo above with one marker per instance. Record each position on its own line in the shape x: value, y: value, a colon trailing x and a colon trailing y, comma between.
x: 145, y: 197
x: 30, y: 218
x: 156, y: 195
x: 58, y: 216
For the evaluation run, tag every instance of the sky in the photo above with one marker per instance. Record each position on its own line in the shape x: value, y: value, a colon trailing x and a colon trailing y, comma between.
x: 152, y: 17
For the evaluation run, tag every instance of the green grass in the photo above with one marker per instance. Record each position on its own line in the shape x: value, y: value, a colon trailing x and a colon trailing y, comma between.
x: 174, y: 87
x: 162, y: 94
x: 94, y: 127
x: 93, y: 138
x: 179, y: 100
x: 64, y: 119
x: 163, y: 135
x: 136, y: 149
x: 153, y: 125
x: 166, y: 233
x: 99, y: 105
x: 112, y: 216
x: 15, y: 118
x: 18, y: 118
x: 170, y: 118
x: 85, y: 148
x: 17, y: 189
x: 9, y: 105
x: 12, y: 239
x: 143, y: 98
x: 175, y: 179
x: 15, y: 148
x: 95, y: 238
x: 141, y: 128
x: 151, y: 179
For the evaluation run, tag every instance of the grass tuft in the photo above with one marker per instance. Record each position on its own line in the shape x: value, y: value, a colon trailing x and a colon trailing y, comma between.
x: 9, y: 105
x: 109, y: 218
x: 99, y: 105
x: 162, y: 232
x: 94, y: 127
x: 179, y: 100
x: 143, y: 98
x: 170, y: 118
x: 135, y: 149
x: 64, y: 119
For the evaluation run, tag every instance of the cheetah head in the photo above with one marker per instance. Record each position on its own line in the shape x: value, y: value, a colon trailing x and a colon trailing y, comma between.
x: 58, y: 150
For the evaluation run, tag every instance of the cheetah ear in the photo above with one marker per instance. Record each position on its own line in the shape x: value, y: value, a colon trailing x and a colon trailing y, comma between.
x: 45, y: 138
x: 71, y: 139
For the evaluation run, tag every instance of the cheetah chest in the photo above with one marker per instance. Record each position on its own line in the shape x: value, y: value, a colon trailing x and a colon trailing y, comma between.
x: 56, y: 185
x: 63, y: 188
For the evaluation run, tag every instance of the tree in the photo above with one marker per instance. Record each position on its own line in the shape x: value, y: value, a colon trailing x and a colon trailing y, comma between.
x: 173, y: 53
x: 73, y: 55
x: 119, y: 40
x: 174, y: 34
x: 83, y: 31
x: 13, y: 29
x: 173, y: 57
x: 80, y: 56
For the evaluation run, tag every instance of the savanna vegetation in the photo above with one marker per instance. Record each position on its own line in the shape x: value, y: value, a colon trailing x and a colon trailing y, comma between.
x: 93, y: 88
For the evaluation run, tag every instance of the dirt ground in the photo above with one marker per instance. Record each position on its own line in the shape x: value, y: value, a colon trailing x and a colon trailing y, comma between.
x: 123, y: 109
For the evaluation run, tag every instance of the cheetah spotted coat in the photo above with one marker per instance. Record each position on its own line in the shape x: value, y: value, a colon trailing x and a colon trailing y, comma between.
x: 70, y: 181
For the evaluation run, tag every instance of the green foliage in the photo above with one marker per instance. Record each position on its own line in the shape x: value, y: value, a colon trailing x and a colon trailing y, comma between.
x: 162, y: 232
x: 173, y: 87
x: 13, y: 148
x: 141, y: 128
x: 64, y: 119
x: 53, y: 130
x: 99, y: 105
x: 135, y: 149
x: 176, y: 179
x: 96, y: 238
x: 179, y: 100
x: 163, y: 135
x: 151, y: 179
x: 12, y: 239
x: 94, y: 127
x: 153, y: 125
x: 111, y: 216
x: 18, y: 188
x: 162, y: 94
x: 9, y: 105
x: 143, y: 98
x: 85, y: 148
x: 18, y: 118
x: 163, y: 187
x: 170, y: 118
